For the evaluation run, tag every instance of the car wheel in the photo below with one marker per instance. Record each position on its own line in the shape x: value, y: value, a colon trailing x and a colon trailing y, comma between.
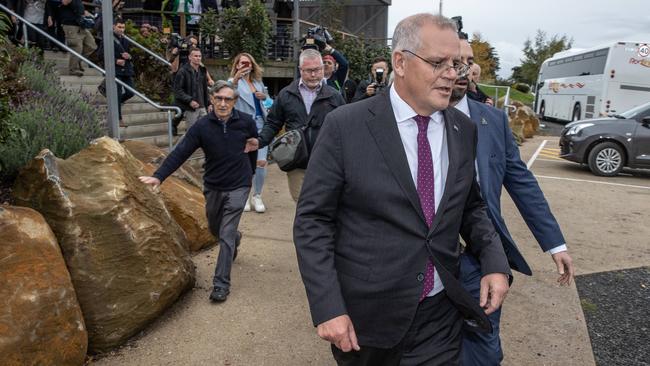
x: 576, y: 113
x: 606, y: 159
x: 542, y: 111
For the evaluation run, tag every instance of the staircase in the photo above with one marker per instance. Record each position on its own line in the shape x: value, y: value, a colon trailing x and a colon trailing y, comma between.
x: 144, y: 122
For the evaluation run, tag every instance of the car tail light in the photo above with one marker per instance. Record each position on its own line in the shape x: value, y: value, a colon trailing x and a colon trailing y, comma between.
x: 612, y: 73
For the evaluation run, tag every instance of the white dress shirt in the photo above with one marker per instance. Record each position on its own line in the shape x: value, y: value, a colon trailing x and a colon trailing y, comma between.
x: 408, y: 131
x: 463, y: 106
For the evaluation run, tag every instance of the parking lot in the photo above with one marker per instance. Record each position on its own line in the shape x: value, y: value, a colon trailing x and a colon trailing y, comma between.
x: 605, y: 223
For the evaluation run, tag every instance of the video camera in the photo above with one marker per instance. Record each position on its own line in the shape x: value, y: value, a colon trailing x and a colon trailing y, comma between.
x: 176, y: 41
x: 317, y: 38
x: 459, y: 24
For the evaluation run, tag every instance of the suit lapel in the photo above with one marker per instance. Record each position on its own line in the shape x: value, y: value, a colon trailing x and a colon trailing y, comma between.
x: 482, y: 150
x: 383, y: 127
x: 452, y: 131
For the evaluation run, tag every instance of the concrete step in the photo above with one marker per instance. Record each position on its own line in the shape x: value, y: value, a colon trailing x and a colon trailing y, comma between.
x: 161, y: 141
x: 84, y: 80
x: 134, y: 107
x: 147, y: 118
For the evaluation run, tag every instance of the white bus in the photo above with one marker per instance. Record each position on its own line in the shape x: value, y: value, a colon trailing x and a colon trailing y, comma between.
x: 592, y: 83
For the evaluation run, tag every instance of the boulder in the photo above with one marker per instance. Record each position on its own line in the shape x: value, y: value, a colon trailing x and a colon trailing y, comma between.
x: 183, y: 198
x: 41, y: 322
x: 127, y: 257
x: 523, y: 121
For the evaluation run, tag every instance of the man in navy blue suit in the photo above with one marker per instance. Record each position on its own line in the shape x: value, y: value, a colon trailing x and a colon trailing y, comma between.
x: 499, y: 165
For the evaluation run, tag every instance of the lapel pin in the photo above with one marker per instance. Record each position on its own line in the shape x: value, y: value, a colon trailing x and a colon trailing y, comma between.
x: 456, y: 128
x: 483, y: 121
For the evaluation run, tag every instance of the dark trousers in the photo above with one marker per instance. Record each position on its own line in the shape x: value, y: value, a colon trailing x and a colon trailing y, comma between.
x: 123, y: 94
x: 480, y: 349
x: 432, y: 339
x: 224, y: 210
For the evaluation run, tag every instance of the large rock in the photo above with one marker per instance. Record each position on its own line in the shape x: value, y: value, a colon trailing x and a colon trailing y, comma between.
x: 523, y: 121
x: 41, y: 322
x: 181, y: 192
x: 127, y: 257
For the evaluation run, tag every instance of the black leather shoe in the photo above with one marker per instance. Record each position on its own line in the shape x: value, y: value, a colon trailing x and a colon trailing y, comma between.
x: 219, y: 294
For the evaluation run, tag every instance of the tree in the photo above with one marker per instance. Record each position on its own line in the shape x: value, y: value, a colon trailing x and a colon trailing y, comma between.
x: 535, y: 54
x: 246, y: 29
x: 360, y: 55
x: 486, y: 56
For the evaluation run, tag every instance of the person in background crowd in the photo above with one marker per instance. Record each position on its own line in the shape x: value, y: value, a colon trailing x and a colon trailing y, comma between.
x: 35, y: 13
x: 191, y: 88
x: 123, y: 64
x: 78, y: 38
x: 473, y: 91
x: 53, y: 21
x: 499, y: 166
x: 225, y: 4
x: 377, y: 80
x: 246, y: 76
x: 349, y: 89
x: 228, y: 140
x: 306, y: 101
x: 335, y: 68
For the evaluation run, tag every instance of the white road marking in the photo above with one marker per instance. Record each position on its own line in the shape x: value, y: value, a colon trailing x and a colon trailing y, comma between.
x: 539, y: 149
x: 593, y: 181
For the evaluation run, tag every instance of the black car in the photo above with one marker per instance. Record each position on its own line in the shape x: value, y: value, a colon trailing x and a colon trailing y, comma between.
x: 609, y: 144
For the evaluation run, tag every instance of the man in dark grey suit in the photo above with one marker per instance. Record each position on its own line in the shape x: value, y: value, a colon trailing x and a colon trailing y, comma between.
x: 389, y: 187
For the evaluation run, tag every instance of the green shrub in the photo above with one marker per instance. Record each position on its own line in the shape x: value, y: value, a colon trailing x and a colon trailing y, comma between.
x: 524, y: 88
x: 246, y: 29
x: 47, y: 117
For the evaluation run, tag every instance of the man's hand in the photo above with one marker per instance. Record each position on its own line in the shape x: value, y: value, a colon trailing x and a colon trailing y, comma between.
x: 340, y: 332
x: 194, y: 104
x: 565, y: 268
x: 153, y: 181
x: 120, y: 62
x: 494, y: 288
x: 370, y: 90
x: 50, y: 22
x: 125, y: 55
x: 489, y: 101
x: 252, y: 144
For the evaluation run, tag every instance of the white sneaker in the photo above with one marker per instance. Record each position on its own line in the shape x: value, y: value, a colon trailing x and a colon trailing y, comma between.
x: 247, y: 207
x: 256, y: 200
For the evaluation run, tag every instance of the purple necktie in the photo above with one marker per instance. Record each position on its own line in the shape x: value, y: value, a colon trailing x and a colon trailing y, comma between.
x: 426, y: 189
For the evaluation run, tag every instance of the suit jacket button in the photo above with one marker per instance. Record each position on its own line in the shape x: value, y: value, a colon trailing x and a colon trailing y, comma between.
x: 420, y: 277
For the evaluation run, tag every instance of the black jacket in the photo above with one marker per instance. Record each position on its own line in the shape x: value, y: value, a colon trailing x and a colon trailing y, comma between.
x: 289, y: 111
x: 184, y: 85
x: 120, y: 45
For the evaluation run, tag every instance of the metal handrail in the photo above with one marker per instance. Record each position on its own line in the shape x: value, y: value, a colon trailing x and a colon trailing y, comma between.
x: 148, y: 51
x: 506, y: 100
x: 123, y: 84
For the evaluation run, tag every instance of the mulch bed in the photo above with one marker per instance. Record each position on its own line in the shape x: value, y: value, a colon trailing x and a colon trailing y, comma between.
x: 616, y: 305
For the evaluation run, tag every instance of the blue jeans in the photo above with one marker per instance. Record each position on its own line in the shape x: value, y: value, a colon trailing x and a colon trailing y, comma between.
x: 260, y: 172
x: 482, y: 349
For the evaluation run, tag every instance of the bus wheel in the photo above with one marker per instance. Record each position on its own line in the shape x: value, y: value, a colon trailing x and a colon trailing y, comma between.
x: 542, y: 111
x: 576, y: 113
x: 606, y: 159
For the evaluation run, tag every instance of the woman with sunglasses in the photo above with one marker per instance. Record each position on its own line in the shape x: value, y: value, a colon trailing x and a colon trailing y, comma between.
x: 246, y: 76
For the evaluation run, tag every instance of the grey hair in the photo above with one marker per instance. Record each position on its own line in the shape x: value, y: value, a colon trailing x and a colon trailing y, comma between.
x: 220, y: 84
x: 407, y: 33
x: 310, y: 54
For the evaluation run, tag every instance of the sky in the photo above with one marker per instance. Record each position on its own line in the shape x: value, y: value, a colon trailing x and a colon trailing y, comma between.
x: 507, y: 24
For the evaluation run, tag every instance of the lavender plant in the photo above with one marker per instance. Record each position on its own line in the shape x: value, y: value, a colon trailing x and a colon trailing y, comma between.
x: 48, y: 117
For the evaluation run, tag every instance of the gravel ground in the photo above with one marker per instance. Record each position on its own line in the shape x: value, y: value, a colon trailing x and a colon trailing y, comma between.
x: 616, y: 305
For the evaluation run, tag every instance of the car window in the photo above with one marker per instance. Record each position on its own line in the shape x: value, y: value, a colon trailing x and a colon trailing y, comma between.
x: 637, y: 112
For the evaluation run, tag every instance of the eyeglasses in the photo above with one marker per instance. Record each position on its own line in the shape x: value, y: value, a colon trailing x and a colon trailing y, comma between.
x: 312, y: 71
x: 220, y: 99
x: 440, y: 67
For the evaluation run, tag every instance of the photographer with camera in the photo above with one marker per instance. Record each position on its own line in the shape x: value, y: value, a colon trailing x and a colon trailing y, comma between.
x: 179, y: 50
x: 378, y: 79
x: 335, y: 67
